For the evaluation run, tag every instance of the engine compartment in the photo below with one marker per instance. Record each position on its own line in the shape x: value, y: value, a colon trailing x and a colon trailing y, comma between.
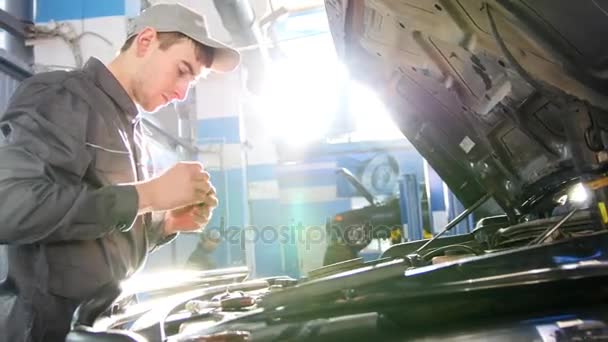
x: 495, y: 234
x: 181, y: 310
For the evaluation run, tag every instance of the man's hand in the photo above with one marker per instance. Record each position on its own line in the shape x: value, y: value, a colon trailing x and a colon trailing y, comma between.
x: 190, y: 218
x: 183, y: 185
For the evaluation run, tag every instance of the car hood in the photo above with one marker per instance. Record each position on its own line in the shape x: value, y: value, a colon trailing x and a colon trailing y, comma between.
x: 502, y: 97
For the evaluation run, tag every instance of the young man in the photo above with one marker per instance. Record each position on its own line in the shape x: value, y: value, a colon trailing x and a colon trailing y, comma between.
x: 75, y: 210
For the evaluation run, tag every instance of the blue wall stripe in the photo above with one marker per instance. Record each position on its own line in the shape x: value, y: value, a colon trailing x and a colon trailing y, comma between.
x: 312, y: 213
x: 232, y: 196
x: 265, y: 216
x: 132, y: 8
x: 268, y: 259
x: 266, y: 212
x: 289, y: 221
x: 227, y: 128
x: 263, y: 172
x: 291, y: 176
x: 332, y: 151
x: 230, y: 186
x: 47, y: 10
x: 409, y: 161
x: 302, y: 216
x: 299, y: 217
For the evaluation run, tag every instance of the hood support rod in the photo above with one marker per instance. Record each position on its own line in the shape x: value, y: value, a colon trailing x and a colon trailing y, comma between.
x: 456, y: 220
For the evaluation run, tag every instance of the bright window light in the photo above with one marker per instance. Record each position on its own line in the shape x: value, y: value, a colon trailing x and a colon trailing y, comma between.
x: 304, y: 90
x: 299, y: 102
x: 372, y: 119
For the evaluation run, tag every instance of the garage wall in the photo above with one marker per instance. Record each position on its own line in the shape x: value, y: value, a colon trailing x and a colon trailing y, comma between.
x: 291, y: 199
x: 14, y: 66
x: 103, y: 23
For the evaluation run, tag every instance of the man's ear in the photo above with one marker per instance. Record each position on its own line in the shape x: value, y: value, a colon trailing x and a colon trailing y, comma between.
x: 144, y: 40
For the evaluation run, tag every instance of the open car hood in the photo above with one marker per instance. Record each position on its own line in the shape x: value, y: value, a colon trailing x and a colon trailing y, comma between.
x: 504, y: 97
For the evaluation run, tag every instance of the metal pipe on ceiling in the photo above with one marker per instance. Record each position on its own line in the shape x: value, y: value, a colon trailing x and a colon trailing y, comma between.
x: 239, y: 19
x: 15, y: 19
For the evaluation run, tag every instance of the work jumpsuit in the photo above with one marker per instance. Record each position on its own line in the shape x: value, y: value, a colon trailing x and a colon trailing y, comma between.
x: 68, y: 148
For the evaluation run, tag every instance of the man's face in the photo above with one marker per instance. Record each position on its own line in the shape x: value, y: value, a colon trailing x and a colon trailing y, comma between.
x: 165, y: 75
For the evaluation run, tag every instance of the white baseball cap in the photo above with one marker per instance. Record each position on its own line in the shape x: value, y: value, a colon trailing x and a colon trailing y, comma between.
x: 178, y: 18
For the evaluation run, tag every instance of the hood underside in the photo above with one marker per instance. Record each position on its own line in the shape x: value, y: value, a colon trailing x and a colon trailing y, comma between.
x: 506, y: 97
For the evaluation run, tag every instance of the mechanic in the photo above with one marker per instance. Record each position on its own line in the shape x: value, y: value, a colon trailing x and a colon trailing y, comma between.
x: 76, y: 210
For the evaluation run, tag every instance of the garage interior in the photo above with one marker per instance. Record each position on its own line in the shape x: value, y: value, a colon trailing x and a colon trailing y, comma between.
x: 385, y: 169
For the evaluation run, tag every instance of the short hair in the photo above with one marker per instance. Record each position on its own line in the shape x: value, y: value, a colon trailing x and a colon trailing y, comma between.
x: 203, y: 52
